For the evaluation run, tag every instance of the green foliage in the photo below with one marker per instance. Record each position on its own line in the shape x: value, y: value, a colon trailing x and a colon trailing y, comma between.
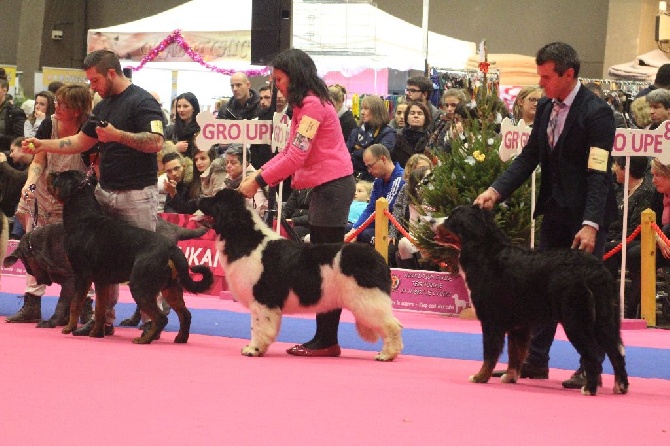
x: 462, y: 175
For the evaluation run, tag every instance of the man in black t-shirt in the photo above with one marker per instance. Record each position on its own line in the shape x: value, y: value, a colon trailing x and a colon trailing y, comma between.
x: 129, y: 134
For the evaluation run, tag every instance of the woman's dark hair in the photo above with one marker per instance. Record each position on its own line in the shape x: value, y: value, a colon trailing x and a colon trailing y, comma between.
x: 186, y: 131
x: 302, y: 74
x: 424, y: 108
x: 51, y: 105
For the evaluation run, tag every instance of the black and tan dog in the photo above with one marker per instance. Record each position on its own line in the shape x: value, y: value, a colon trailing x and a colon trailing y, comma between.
x: 271, y: 275
x: 42, y: 252
x: 106, y: 251
x: 513, y: 289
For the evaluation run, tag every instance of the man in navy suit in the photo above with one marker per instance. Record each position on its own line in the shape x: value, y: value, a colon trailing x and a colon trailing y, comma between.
x: 571, y: 140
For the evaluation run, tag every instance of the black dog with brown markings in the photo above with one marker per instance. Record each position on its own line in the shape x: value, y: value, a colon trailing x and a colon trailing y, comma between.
x: 42, y: 252
x: 513, y: 289
x: 107, y: 251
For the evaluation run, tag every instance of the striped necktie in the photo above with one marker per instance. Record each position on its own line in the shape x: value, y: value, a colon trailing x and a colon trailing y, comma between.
x: 553, y: 121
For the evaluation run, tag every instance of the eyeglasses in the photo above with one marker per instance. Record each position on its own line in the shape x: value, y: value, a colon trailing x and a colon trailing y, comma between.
x: 412, y: 90
x: 369, y: 166
x: 533, y: 100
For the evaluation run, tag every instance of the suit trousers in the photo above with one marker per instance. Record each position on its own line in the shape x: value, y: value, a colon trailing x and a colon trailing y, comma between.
x: 557, y: 231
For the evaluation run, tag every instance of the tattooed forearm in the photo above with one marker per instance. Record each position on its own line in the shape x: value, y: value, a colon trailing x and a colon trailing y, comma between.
x: 144, y: 142
x: 65, y: 143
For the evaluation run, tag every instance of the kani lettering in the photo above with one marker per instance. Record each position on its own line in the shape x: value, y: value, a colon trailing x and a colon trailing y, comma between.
x: 201, y: 256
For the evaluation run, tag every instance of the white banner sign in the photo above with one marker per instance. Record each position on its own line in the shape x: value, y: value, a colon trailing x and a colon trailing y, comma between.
x: 227, y: 131
x: 514, y: 138
x: 627, y: 142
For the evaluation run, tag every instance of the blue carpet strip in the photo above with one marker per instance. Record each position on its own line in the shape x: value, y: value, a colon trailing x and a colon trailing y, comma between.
x: 642, y: 362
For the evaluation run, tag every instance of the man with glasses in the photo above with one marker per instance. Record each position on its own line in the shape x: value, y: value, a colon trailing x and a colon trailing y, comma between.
x: 388, y: 182
x: 419, y: 89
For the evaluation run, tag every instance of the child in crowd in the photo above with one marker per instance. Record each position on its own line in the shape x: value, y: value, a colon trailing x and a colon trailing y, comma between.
x: 361, y: 198
x: 403, y: 253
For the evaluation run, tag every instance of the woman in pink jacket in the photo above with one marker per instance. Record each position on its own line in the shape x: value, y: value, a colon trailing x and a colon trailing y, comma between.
x: 317, y: 157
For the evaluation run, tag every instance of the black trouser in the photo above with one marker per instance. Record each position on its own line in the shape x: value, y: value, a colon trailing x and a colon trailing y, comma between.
x: 557, y: 231
x: 326, y: 323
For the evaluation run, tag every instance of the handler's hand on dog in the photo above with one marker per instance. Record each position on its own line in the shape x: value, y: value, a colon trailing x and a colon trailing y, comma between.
x: 585, y: 239
x: 487, y: 199
x: 248, y: 186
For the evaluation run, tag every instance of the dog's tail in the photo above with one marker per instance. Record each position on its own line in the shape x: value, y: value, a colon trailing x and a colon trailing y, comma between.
x: 181, y: 265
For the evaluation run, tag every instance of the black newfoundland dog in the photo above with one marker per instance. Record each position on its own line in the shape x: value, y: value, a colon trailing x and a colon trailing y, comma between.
x: 514, y: 288
x: 107, y: 251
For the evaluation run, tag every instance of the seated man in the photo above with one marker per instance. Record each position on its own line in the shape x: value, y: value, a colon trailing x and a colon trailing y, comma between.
x: 180, y: 199
x: 388, y: 182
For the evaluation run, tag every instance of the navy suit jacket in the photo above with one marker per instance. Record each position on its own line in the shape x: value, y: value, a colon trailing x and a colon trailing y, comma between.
x: 587, y: 193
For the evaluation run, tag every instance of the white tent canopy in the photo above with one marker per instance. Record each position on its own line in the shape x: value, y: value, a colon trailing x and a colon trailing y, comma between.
x: 344, y: 37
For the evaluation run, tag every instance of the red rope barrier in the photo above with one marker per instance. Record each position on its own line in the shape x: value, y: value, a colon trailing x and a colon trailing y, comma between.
x: 358, y: 230
x: 618, y: 247
x: 660, y: 233
x: 398, y: 226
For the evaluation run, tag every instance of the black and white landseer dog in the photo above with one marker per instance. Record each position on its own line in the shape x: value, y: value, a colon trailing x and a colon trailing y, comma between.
x: 514, y: 288
x: 107, y: 251
x: 271, y: 276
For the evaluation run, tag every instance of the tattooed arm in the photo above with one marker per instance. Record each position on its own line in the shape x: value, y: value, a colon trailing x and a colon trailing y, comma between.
x: 144, y: 142
x: 72, y: 144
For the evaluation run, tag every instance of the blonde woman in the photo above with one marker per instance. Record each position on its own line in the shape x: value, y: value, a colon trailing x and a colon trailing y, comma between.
x: 348, y: 123
x: 525, y: 104
x: 639, y: 111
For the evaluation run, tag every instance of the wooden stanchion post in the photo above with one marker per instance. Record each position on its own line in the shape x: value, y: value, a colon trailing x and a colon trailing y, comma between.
x: 382, y: 228
x: 648, y: 268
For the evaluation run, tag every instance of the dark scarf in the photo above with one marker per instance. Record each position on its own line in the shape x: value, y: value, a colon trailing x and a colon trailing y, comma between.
x: 413, y: 137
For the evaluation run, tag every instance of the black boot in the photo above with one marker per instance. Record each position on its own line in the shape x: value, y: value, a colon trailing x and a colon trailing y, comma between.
x: 31, y: 310
x: 86, y: 311
x: 61, y: 314
x: 133, y: 320
x: 326, y: 330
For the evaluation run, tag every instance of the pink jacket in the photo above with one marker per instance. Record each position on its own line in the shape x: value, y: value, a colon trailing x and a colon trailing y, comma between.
x: 314, y: 155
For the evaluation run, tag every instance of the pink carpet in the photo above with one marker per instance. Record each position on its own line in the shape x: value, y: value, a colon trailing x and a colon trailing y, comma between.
x: 62, y: 390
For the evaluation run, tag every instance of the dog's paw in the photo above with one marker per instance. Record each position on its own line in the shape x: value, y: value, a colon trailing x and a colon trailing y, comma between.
x: 620, y: 388
x: 251, y: 351
x: 478, y: 379
x: 587, y: 392
x: 384, y: 357
x: 509, y: 378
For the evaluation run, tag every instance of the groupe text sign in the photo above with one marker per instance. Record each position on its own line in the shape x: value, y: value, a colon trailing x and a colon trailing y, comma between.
x: 627, y: 142
x: 246, y: 132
